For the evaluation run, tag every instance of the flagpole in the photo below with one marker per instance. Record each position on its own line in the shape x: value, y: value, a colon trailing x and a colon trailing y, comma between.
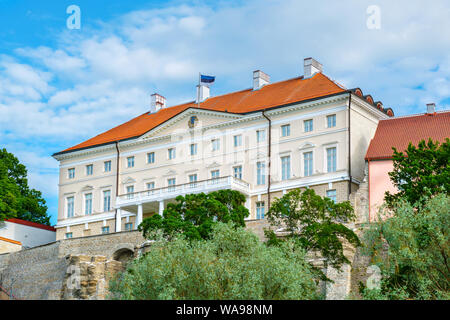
x: 198, y: 91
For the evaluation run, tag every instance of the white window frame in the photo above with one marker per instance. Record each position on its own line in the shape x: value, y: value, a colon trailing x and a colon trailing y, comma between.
x: 237, y: 140
x: 288, y: 130
x: 68, y: 173
x: 325, y: 162
x: 303, y: 162
x: 104, y: 166
x: 129, y: 197
x: 103, y: 199
x: 105, y: 228
x: 260, y: 205
x: 193, y: 149
x: 171, y: 153
x: 240, y: 172
x: 215, y: 145
x: 92, y: 202
x: 263, y: 173
x: 171, y: 187
x: 193, y: 182
x: 128, y: 224
x: 290, y: 166
x: 335, y: 194
x: 132, y: 161
x: 304, y: 125
x: 260, y: 133
x: 326, y: 120
x: 67, y: 206
x: 150, y: 157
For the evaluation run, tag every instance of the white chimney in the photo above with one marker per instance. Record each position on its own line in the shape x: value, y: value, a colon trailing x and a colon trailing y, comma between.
x: 202, y: 93
x: 260, y: 79
x: 311, y: 67
x: 158, y: 102
x: 431, y: 107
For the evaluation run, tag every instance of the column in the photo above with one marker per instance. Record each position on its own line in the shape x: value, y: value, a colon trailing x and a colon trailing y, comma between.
x: 248, y: 205
x: 118, y: 220
x: 161, y: 207
x: 139, y: 216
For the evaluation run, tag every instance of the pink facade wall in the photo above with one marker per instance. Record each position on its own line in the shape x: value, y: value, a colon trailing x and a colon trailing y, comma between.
x: 379, y: 183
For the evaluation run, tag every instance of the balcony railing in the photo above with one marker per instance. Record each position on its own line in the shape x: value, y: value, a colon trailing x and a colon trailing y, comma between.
x: 157, y: 194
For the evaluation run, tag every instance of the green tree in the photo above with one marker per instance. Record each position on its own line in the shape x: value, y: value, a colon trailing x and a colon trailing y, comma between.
x: 17, y: 200
x: 194, y: 215
x: 420, y: 172
x: 314, y: 223
x: 233, y: 264
x: 410, y: 244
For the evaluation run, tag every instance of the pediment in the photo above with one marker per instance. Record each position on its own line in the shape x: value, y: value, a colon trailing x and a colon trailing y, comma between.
x: 307, y: 145
x: 87, y: 188
x: 215, y: 164
x: 170, y: 173
x: 128, y: 180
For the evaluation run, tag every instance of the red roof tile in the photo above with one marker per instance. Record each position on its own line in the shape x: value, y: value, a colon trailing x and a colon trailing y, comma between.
x: 271, y: 95
x: 399, y: 132
x: 31, y: 224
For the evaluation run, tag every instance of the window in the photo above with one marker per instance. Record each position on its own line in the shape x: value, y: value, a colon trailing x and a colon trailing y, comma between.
x: 260, y: 210
x: 193, y: 149
x: 89, y: 169
x: 151, y: 157
x: 286, y: 130
x: 260, y: 173
x: 150, y: 187
x: 331, y: 121
x: 237, y: 140
x: 71, y: 172
x: 107, y: 200
x: 237, y: 172
x: 308, y: 163
x: 171, y: 153
x: 193, y: 180
x: 105, y: 230
x: 331, y: 159
x: 128, y: 226
x: 260, y: 135
x: 308, y: 125
x: 215, y: 176
x: 215, y: 144
x: 88, y: 203
x: 107, y: 166
x: 130, y: 192
x: 171, y: 182
x: 69, y: 235
x: 331, y: 194
x: 285, y: 168
x: 130, y: 162
x: 70, y: 207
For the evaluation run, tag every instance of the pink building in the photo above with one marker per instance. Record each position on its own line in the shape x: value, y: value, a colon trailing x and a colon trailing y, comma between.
x: 399, y: 132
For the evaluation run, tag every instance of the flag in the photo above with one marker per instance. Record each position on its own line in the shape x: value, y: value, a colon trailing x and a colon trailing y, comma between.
x: 206, y: 79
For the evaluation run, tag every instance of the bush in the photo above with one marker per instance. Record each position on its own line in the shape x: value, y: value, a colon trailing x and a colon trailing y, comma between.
x: 233, y: 264
x: 416, y: 265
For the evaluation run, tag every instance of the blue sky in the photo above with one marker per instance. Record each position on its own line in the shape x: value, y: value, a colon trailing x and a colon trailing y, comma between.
x: 59, y: 87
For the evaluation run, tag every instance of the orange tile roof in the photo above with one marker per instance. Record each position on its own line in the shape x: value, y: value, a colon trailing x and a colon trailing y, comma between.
x: 399, y: 132
x: 245, y: 101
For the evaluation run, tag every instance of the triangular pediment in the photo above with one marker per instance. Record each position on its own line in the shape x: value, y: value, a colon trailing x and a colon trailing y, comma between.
x: 215, y: 164
x: 87, y: 188
x: 189, y: 121
x: 128, y: 180
x: 170, y: 173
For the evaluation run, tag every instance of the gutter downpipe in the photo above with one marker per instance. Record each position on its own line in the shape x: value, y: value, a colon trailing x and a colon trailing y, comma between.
x: 117, y: 181
x: 349, y: 147
x: 269, y: 151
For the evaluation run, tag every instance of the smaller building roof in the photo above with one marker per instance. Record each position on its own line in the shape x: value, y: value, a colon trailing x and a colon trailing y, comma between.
x: 31, y: 224
x: 11, y: 241
x: 400, y: 131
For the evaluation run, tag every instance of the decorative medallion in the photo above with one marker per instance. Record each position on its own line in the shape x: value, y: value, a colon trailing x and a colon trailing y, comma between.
x: 192, y: 121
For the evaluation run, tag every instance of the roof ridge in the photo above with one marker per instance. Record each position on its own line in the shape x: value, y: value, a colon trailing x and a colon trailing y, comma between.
x: 415, y: 115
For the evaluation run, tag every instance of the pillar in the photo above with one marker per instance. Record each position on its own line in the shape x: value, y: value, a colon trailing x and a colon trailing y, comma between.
x: 161, y: 208
x: 139, y: 216
x: 118, y: 220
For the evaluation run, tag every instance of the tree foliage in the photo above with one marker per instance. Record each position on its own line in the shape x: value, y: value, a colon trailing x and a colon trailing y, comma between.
x: 17, y: 200
x: 233, y: 264
x: 194, y: 215
x: 315, y: 223
x: 416, y: 237
x: 420, y: 172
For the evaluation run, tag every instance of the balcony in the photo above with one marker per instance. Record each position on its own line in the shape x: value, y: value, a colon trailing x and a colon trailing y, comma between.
x: 129, y: 200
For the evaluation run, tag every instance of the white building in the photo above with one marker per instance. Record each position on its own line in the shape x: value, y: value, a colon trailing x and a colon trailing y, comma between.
x: 18, y: 234
x: 307, y: 131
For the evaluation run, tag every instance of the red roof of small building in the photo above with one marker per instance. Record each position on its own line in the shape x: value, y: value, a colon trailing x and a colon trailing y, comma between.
x: 399, y: 132
x: 241, y: 102
x: 31, y: 224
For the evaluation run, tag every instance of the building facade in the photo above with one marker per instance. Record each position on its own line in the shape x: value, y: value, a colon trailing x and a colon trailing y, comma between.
x: 16, y: 234
x: 303, y: 132
x: 399, y: 132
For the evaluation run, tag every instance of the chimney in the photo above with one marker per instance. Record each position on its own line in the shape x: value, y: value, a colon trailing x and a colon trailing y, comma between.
x: 158, y: 102
x: 202, y: 93
x: 260, y: 79
x: 431, y: 108
x: 311, y: 67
